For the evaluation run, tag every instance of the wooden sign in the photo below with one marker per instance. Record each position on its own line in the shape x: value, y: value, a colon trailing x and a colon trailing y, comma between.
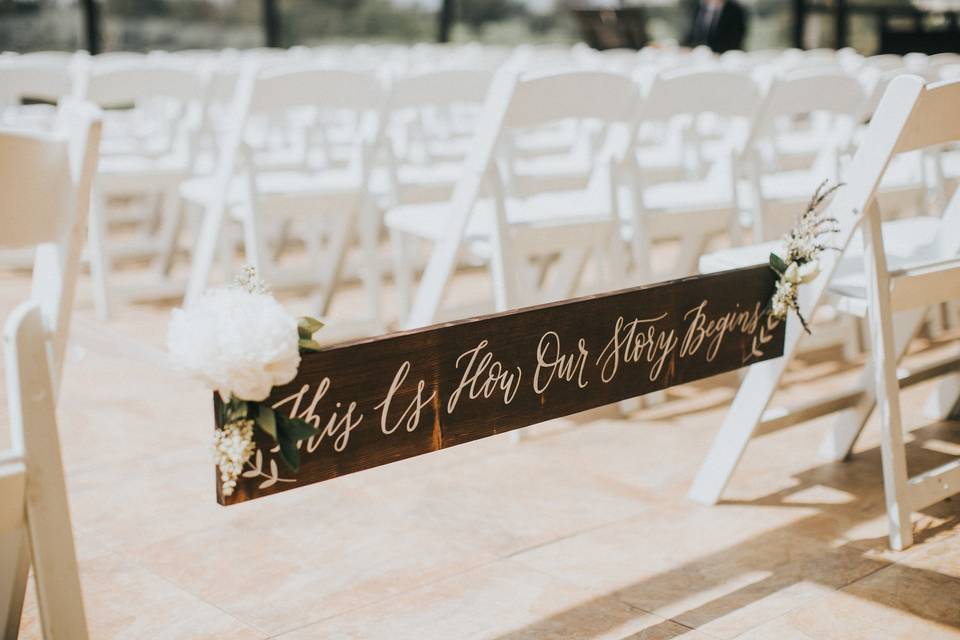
x: 388, y: 398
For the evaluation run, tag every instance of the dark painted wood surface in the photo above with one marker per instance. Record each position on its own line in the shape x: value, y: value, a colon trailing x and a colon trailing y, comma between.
x: 400, y: 395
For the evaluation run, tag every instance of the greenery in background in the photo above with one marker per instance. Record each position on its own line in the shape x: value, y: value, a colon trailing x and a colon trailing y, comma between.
x: 311, y: 22
x: 143, y: 25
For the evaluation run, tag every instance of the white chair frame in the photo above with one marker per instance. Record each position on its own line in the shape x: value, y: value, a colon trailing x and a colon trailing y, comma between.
x: 911, y: 116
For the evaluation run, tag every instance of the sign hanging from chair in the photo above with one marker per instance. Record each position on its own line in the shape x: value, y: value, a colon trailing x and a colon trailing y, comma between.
x: 366, y: 403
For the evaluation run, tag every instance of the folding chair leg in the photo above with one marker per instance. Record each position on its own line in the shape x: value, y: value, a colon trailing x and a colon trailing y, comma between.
x: 402, y: 270
x: 839, y: 442
x: 336, y: 256
x: 943, y: 402
x: 170, y: 225
x: 745, y: 413
x: 255, y: 249
x: 953, y: 314
x: 204, y: 252
x: 885, y: 357
x: 371, y: 274
x: 99, y: 259
x: 691, y: 248
x: 14, y: 568
x: 59, y: 597
x: 893, y: 454
x: 570, y: 268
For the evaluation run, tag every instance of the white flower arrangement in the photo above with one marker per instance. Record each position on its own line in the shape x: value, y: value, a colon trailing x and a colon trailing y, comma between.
x: 241, y: 342
x: 801, y: 263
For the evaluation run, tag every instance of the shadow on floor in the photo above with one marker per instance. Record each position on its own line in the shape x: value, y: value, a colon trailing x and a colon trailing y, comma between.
x: 859, y: 478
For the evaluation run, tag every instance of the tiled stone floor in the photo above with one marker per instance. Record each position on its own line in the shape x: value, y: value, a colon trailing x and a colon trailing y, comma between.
x: 580, y: 531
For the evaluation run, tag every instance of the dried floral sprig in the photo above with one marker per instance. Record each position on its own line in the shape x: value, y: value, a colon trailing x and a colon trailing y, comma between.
x: 249, y: 280
x: 232, y: 447
x: 803, y: 246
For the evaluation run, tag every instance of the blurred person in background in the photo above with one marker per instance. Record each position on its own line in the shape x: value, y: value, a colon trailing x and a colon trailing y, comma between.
x: 718, y: 24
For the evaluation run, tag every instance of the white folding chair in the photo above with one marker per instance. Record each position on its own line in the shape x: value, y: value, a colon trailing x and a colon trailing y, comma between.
x: 432, y: 119
x: 884, y: 62
x: 803, y: 113
x: 148, y: 150
x: 927, y: 116
x: 915, y: 258
x: 702, y: 206
x: 432, y: 122
x: 32, y: 78
x: 35, y: 525
x: 45, y: 192
x: 298, y: 156
x: 45, y: 185
x: 510, y: 227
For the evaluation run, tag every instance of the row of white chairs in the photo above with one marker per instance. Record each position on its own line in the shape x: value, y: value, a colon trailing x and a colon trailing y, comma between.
x: 893, y: 275
x: 159, y: 150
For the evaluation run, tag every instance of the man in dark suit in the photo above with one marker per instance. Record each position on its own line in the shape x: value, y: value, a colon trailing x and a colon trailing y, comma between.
x: 719, y: 24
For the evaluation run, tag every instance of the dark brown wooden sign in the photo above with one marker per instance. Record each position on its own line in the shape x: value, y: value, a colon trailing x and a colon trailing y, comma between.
x: 388, y: 398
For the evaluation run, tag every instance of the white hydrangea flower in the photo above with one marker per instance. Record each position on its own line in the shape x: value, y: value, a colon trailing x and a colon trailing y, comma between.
x: 232, y: 447
x: 239, y: 343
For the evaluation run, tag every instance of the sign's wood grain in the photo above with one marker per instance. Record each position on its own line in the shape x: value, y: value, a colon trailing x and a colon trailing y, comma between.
x: 388, y: 398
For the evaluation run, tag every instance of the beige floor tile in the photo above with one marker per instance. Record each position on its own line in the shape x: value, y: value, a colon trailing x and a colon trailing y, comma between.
x: 581, y: 531
x: 125, y: 602
x: 547, y: 500
x: 279, y: 576
x: 722, y: 575
x: 777, y: 629
x: 503, y: 601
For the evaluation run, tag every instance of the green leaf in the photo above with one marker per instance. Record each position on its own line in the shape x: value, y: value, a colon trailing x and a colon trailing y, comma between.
x: 296, y: 429
x: 777, y: 263
x: 309, y: 345
x: 235, y: 410
x: 290, y: 431
x: 267, y: 420
x: 307, y: 326
x: 289, y: 452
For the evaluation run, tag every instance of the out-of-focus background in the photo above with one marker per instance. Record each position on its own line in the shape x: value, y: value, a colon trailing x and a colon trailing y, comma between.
x: 870, y: 26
